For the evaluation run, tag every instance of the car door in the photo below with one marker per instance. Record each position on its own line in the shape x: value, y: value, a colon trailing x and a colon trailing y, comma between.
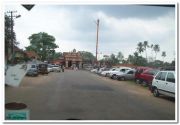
x: 160, y: 81
x: 130, y: 75
x: 170, y: 83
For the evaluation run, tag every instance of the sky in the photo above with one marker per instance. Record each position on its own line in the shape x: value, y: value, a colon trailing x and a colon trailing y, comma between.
x: 121, y: 27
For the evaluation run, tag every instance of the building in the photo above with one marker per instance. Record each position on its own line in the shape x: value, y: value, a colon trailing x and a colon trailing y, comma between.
x: 69, y: 59
x: 72, y: 59
x: 32, y: 55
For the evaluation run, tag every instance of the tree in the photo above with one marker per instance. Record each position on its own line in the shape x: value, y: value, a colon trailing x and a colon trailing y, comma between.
x: 10, y: 37
x: 130, y: 59
x: 120, y: 57
x: 43, y: 44
x: 140, y: 47
x: 57, y: 55
x: 156, y: 49
x: 87, y: 56
x: 113, y: 59
x: 163, y: 55
x: 152, y: 49
x: 137, y: 60
x: 145, y: 44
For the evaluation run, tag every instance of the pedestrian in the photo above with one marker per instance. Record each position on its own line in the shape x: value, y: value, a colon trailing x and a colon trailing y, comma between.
x: 62, y: 68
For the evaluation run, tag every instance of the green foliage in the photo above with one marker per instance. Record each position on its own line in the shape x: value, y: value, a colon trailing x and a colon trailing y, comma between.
x: 120, y: 56
x: 156, y: 49
x: 57, y: 55
x: 163, y: 55
x: 137, y: 60
x: 87, y: 56
x: 140, y: 47
x: 113, y: 60
x: 43, y: 44
x: 145, y: 44
x: 8, y: 34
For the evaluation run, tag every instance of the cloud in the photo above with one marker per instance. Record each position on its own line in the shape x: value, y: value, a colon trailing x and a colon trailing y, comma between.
x: 121, y: 28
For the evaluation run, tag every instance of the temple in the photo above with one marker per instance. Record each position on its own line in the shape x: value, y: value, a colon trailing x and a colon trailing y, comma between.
x: 70, y: 59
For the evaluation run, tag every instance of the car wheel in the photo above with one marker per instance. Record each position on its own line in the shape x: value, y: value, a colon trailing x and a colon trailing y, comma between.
x: 144, y: 83
x: 156, y: 92
x: 114, y: 76
x: 137, y: 81
x: 122, y: 78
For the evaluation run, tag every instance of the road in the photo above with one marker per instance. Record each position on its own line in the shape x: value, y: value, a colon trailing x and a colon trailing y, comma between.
x: 87, y: 96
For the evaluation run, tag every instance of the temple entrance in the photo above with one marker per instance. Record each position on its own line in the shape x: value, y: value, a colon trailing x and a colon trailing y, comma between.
x: 69, y: 63
x: 72, y: 59
x: 77, y: 64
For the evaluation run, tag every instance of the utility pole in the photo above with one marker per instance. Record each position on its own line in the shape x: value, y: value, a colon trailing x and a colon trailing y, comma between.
x: 97, y: 37
x: 12, y: 41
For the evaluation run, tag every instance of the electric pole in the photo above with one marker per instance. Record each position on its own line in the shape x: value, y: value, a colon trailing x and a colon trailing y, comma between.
x: 97, y: 37
x: 12, y: 34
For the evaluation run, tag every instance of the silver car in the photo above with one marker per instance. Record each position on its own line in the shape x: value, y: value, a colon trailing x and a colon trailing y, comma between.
x: 127, y: 75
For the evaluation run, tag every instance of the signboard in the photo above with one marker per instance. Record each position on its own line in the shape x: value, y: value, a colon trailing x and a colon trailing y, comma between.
x: 14, y: 74
x: 17, y: 114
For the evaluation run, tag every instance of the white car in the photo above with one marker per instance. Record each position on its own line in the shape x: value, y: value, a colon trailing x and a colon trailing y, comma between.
x: 164, y: 83
x: 105, y: 73
x: 94, y: 70
x: 56, y: 68
x: 102, y: 69
x: 113, y: 74
x: 50, y: 68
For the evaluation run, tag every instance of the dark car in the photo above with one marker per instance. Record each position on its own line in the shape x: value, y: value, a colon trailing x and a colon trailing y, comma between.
x: 147, y: 76
x: 43, y: 68
x: 138, y: 72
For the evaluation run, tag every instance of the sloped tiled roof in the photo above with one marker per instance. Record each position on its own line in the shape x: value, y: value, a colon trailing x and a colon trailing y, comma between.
x: 31, y: 54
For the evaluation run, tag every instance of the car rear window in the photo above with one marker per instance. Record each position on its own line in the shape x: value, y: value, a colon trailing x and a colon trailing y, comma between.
x: 170, y: 78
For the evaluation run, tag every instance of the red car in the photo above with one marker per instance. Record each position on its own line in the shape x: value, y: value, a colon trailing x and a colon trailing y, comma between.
x: 147, y: 76
x: 139, y: 71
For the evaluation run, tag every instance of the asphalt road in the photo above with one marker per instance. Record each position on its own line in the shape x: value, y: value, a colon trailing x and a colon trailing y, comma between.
x: 87, y: 96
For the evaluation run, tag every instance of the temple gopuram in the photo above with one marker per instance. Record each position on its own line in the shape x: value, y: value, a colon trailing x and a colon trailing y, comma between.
x: 70, y: 59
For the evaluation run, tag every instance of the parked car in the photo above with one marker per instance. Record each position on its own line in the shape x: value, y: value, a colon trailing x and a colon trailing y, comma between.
x: 127, y: 75
x: 50, y: 68
x: 102, y: 69
x: 147, y: 76
x: 113, y: 74
x: 94, y: 70
x: 33, y: 71
x: 164, y: 83
x: 105, y: 73
x: 56, y: 68
x: 138, y: 72
x: 43, y: 68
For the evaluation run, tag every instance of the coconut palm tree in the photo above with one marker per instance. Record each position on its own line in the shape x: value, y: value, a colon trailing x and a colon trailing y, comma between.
x: 145, y: 44
x: 163, y: 55
x: 140, y: 47
x: 156, y: 49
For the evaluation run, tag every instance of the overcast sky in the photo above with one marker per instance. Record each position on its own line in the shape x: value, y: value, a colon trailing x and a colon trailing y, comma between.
x: 121, y: 27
